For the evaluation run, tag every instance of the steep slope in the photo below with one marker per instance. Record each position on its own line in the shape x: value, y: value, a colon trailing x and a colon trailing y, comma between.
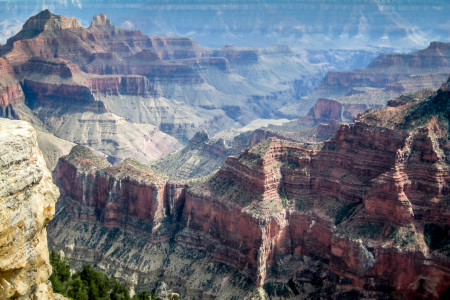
x: 386, y: 77
x: 10, y: 90
x: 363, y: 215
x: 111, y: 82
x: 204, y: 155
x: 27, y: 200
x: 199, y: 158
x: 178, y: 68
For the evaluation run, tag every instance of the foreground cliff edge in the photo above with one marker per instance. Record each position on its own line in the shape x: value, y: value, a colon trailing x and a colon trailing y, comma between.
x: 365, y: 214
x: 27, y: 204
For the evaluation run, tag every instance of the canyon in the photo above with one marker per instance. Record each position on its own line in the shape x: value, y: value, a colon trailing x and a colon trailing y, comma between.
x: 227, y: 173
x: 343, y: 94
x: 129, y: 95
x: 359, y: 215
x: 59, y: 76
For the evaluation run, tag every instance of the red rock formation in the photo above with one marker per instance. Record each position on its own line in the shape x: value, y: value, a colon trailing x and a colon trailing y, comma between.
x: 251, y: 138
x: 435, y: 58
x: 388, y: 76
x: 329, y: 110
x: 393, y: 67
x: 49, y: 67
x: 121, y: 193
x: 345, y: 216
x: 336, y: 79
x: 10, y: 94
x: 10, y: 90
x: 121, y: 85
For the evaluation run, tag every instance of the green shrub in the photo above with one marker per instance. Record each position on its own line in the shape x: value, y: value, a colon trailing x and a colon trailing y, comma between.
x: 88, y: 284
x: 61, y: 272
x: 144, y: 296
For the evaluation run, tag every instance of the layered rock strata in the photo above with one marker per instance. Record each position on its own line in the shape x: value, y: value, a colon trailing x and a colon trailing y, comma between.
x: 173, y: 67
x: 386, y: 77
x: 363, y: 215
x: 55, y: 70
x: 27, y: 199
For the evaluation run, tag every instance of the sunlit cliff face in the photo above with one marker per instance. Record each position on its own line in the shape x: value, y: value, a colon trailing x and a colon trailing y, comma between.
x: 27, y: 204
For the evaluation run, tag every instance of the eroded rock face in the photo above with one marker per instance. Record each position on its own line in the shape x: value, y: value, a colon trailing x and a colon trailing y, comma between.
x: 10, y: 90
x: 329, y: 110
x: 349, y: 217
x: 27, y: 199
x: 385, y: 78
x: 61, y: 70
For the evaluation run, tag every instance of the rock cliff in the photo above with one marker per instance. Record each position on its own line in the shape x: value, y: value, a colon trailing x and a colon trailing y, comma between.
x: 177, y: 67
x: 27, y: 199
x: 54, y: 69
x: 10, y: 90
x: 363, y: 215
x: 386, y: 77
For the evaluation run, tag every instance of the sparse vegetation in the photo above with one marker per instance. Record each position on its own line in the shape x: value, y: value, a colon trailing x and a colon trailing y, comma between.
x: 262, y: 147
x: 370, y: 230
x: 283, y: 196
x: 422, y: 112
x: 278, y: 290
x: 402, y: 236
x: 345, y: 212
x: 86, y: 153
x: 303, y: 204
x: 227, y: 188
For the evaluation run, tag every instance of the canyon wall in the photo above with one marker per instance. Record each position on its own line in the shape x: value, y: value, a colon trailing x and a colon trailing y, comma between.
x: 54, y: 72
x: 386, y: 77
x: 27, y: 199
x: 363, y: 215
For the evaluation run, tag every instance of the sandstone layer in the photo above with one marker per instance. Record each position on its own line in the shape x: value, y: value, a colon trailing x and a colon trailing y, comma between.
x: 363, y: 215
x: 27, y: 199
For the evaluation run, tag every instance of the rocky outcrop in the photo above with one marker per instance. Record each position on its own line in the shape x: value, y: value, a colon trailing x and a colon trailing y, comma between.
x: 328, y: 110
x: 392, y: 68
x: 178, y: 67
x: 27, y: 199
x: 237, y: 55
x: 10, y: 90
x: 48, y: 94
x: 356, y: 216
x: 435, y: 58
x: 122, y: 85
